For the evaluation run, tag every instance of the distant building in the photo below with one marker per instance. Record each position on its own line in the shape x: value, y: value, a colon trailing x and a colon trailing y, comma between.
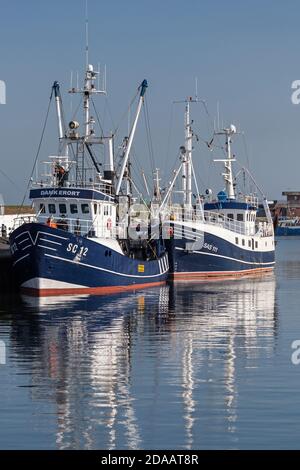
x: 290, y: 207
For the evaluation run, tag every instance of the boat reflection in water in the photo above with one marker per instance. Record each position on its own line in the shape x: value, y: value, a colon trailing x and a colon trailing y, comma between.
x: 159, y: 368
x: 235, y: 327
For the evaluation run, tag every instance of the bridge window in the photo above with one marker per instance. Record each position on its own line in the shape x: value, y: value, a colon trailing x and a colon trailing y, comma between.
x: 236, y: 240
x: 62, y: 208
x: 105, y: 210
x: 95, y: 209
x: 230, y: 216
x: 42, y: 209
x: 52, y: 209
x: 243, y: 242
x: 240, y: 217
x: 85, y: 208
x: 73, y: 208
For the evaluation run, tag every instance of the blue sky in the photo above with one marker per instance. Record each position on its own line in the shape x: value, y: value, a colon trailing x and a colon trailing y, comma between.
x: 245, y: 56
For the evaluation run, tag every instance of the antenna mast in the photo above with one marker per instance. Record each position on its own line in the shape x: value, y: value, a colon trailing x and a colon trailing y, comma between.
x: 186, y: 154
x: 89, y: 87
x: 228, y: 175
x: 86, y: 35
x: 187, y: 162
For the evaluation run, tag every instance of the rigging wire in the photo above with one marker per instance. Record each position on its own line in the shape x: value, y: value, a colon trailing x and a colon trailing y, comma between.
x: 169, y: 142
x: 169, y: 135
x: 210, y: 144
x: 109, y: 112
x: 126, y: 112
x: 148, y: 134
x: 246, y: 150
x: 37, y: 154
x: 175, y: 161
x: 77, y: 109
x: 215, y: 136
x: 10, y: 180
x: 137, y: 163
x: 120, y: 144
x: 98, y: 118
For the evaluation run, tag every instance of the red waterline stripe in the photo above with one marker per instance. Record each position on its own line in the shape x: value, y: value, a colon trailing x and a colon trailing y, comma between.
x: 88, y: 290
x: 216, y: 275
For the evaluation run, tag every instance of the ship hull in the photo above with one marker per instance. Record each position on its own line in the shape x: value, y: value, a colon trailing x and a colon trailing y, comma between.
x: 287, y: 231
x: 216, y: 258
x: 49, y: 261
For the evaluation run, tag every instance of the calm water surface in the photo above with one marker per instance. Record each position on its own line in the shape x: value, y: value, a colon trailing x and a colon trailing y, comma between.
x: 195, y: 366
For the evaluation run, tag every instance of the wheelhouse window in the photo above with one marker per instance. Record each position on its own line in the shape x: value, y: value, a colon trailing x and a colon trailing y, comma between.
x: 62, y: 208
x: 230, y: 216
x: 243, y: 242
x: 74, y: 208
x: 236, y: 240
x: 240, y: 217
x: 52, y: 208
x: 105, y: 210
x: 95, y: 208
x: 85, y: 208
x: 42, y: 209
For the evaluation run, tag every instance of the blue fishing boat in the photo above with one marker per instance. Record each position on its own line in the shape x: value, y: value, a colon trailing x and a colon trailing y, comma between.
x: 287, y: 227
x: 220, y: 236
x: 80, y: 242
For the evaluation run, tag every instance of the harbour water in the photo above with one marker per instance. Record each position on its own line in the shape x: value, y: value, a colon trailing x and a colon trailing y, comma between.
x: 191, y: 366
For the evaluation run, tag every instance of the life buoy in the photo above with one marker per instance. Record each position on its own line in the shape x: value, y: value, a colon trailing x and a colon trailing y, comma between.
x: 109, y: 224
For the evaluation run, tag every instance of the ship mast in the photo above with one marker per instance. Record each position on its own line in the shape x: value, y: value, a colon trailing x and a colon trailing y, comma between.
x: 186, y: 155
x: 87, y: 91
x: 187, y: 158
x: 157, y: 191
x: 142, y: 88
x: 228, y: 174
x: 62, y: 131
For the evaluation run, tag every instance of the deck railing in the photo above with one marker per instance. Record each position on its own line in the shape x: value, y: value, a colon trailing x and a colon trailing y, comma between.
x: 77, y: 226
x: 95, y: 228
x: 214, y: 218
x: 20, y: 220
